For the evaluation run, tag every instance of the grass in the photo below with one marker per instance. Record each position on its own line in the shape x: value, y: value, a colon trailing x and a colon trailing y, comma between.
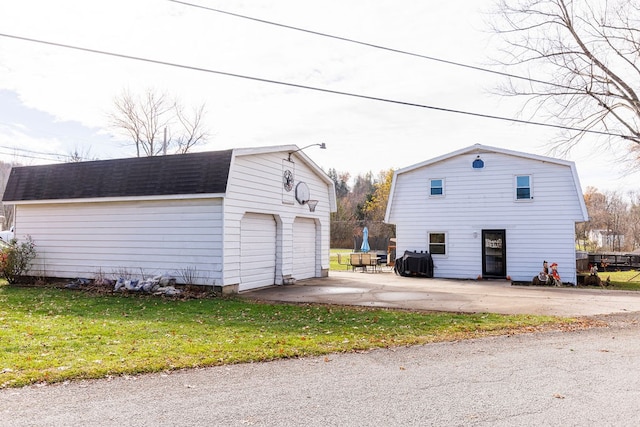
x: 53, y: 335
x: 333, y: 259
x: 622, y: 280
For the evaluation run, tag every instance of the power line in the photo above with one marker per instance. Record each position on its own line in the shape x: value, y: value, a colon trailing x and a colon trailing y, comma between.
x: 26, y: 156
x: 375, y: 46
x: 56, y: 156
x: 312, y: 88
x: 33, y: 154
x: 43, y: 153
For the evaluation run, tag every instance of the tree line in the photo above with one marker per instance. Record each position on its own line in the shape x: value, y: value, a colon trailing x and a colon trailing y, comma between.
x: 361, y: 204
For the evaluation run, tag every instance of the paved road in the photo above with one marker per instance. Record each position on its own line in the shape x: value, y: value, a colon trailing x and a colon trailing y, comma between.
x: 555, y: 378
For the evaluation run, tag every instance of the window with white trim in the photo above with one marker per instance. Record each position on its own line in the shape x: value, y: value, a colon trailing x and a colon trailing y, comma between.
x: 436, y: 187
x: 437, y: 243
x: 523, y: 187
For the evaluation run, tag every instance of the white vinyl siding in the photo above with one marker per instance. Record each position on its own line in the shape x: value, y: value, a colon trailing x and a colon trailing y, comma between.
x: 198, y: 235
x: 140, y: 238
x: 480, y: 199
x: 255, y: 185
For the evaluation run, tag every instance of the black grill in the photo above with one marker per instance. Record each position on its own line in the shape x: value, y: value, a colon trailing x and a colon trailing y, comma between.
x: 414, y: 264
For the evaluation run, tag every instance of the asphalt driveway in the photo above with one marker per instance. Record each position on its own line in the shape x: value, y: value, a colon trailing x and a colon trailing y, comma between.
x: 385, y: 289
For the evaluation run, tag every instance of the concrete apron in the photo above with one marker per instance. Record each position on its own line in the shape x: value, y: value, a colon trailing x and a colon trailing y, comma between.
x: 385, y: 289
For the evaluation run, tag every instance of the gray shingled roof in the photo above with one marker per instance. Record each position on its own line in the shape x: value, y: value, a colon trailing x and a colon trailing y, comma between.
x: 193, y: 173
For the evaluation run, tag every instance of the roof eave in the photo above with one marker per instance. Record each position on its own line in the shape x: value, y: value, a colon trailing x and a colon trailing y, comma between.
x: 478, y: 149
x: 117, y: 199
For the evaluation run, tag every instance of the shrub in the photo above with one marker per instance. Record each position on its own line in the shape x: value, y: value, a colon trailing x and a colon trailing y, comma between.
x: 16, y: 259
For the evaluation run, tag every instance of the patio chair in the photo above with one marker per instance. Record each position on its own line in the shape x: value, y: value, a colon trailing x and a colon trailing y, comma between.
x: 365, y: 260
x: 355, y: 260
x: 344, y: 260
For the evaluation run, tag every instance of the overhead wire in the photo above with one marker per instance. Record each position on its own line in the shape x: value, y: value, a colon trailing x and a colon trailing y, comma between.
x: 25, y: 156
x: 33, y: 154
x: 43, y: 153
x: 306, y: 87
x: 54, y: 157
x: 372, y: 45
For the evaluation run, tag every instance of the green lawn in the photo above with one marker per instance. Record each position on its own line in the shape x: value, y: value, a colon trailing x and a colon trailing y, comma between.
x: 333, y: 259
x: 52, y: 335
x: 622, y: 280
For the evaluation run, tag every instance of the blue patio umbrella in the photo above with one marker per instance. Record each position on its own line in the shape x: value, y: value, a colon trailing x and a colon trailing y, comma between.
x: 365, y: 240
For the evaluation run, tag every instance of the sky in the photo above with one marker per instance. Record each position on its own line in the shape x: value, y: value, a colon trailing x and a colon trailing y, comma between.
x: 54, y: 101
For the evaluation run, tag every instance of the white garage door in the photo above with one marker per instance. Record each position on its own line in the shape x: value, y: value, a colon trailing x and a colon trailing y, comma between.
x: 304, y: 248
x: 257, y: 251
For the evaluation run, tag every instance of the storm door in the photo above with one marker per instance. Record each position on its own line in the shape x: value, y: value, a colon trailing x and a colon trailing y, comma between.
x: 494, y: 253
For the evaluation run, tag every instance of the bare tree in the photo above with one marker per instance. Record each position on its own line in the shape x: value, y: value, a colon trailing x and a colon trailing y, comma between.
x: 192, y: 129
x: 6, y: 212
x: 609, y: 215
x: 343, y: 221
x: 582, y: 58
x: 157, y: 124
x: 617, y: 215
x: 633, y: 230
x: 79, y: 155
x: 340, y: 181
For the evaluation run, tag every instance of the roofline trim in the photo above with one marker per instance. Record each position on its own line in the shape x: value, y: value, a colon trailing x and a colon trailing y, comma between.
x: 479, y: 149
x: 285, y: 149
x: 117, y: 199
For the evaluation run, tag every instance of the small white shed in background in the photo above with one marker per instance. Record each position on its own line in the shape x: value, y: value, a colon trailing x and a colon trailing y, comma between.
x: 237, y: 219
x: 489, y: 212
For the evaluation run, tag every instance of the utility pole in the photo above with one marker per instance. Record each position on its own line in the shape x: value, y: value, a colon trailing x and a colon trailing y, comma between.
x: 164, y: 143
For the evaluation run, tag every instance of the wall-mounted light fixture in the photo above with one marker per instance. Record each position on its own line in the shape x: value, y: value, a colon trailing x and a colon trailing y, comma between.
x: 322, y: 146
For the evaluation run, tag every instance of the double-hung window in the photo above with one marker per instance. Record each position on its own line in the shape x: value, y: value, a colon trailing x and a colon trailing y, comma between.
x: 437, y: 243
x: 523, y: 187
x: 436, y: 187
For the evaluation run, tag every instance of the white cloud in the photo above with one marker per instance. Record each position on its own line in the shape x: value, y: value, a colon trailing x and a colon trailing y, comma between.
x: 77, y: 88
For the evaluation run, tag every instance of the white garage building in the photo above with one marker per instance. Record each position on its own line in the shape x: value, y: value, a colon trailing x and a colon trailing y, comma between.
x: 236, y: 219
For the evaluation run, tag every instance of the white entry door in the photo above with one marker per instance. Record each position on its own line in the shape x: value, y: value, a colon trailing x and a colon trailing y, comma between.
x: 257, y: 251
x: 304, y: 248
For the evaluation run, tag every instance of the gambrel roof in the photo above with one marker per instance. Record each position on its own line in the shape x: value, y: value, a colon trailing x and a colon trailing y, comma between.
x: 193, y: 173
x: 479, y: 149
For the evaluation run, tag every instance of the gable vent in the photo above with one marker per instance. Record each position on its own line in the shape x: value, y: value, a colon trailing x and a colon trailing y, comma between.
x: 478, y: 163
